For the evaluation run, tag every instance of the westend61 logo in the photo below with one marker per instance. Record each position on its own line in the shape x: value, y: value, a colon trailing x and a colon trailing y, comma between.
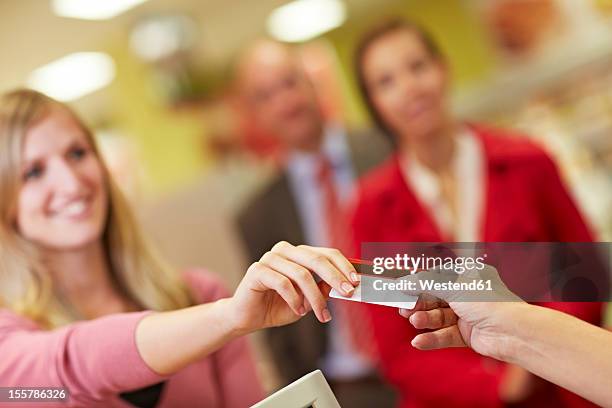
x: 413, y: 264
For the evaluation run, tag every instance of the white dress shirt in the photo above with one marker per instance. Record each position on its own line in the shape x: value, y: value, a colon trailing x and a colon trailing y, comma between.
x: 468, y: 166
x: 340, y: 362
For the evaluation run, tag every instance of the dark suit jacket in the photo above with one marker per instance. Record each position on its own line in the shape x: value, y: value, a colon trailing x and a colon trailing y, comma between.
x: 272, y: 216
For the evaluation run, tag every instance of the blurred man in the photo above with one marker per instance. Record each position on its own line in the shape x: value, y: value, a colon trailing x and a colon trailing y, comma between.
x: 304, y: 204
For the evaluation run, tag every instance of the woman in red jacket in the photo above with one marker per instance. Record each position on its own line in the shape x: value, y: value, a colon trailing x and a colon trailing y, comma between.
x: 450, y: 181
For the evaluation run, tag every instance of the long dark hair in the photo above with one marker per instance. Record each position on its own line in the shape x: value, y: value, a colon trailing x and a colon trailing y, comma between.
x: 374, y: 34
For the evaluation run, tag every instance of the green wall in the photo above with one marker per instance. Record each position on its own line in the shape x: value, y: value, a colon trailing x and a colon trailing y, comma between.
x: 458, y: 32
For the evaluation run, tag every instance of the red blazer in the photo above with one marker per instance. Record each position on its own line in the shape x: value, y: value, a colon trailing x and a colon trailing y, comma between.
x: 525, y: 200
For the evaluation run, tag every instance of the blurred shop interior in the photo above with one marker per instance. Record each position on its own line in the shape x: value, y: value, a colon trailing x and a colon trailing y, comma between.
x: 153, y: 79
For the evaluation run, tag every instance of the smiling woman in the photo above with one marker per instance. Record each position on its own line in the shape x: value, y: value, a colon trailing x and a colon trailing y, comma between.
x: 87, y: 307
x: 65, y: 199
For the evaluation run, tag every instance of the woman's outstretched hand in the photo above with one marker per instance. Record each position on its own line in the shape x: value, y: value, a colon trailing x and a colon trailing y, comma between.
x: 281, y: 287
x: 277, y: 290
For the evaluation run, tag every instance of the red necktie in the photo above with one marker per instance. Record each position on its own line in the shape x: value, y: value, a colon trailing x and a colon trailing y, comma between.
x: 353, y: 319
x: 333, y: 215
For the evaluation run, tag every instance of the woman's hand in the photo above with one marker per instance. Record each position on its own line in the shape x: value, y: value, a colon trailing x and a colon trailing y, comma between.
x: 483, y: 326
x: 281, y: 287
x: 486, y: 322
x: 459, y: 319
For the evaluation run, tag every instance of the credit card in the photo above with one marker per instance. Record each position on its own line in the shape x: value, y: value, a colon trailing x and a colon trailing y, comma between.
x: 357, y: 298
x: 362, y: 268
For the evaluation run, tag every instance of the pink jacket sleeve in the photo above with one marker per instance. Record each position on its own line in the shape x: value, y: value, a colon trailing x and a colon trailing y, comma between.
x: 93, y: 359
x: 236, y: 373
x: 98, y: 359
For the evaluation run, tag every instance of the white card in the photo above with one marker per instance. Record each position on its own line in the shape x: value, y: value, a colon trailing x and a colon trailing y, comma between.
x: 357, y: 298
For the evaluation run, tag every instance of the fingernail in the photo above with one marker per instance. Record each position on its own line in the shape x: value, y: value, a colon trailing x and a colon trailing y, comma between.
x: 302, y: 311
x: 355, y: 277
x: 326, y: 315
x: 347, y: 288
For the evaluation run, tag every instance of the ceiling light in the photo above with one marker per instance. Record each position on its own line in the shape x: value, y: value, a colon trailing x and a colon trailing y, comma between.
x: 93, y: 9
x: 302, y: 20
x: 159, y: 37
x: 74, y: 75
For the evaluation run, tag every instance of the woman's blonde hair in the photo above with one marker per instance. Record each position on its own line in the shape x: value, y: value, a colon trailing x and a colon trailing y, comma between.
x: 26, y: 286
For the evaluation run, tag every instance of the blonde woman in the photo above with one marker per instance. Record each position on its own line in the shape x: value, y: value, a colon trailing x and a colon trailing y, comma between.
x: 86, y: 306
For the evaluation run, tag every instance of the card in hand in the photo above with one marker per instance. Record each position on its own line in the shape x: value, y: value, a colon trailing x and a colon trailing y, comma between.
x: 365, y: 268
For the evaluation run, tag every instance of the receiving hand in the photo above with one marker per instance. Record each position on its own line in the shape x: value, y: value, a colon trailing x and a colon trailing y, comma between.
x: 460, y: 319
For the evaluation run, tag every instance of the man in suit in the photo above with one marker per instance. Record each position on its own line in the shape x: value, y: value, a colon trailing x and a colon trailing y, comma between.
x: 316, y: 179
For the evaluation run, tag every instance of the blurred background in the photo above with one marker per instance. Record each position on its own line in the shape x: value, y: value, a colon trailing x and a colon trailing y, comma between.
x: 152, y: 78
